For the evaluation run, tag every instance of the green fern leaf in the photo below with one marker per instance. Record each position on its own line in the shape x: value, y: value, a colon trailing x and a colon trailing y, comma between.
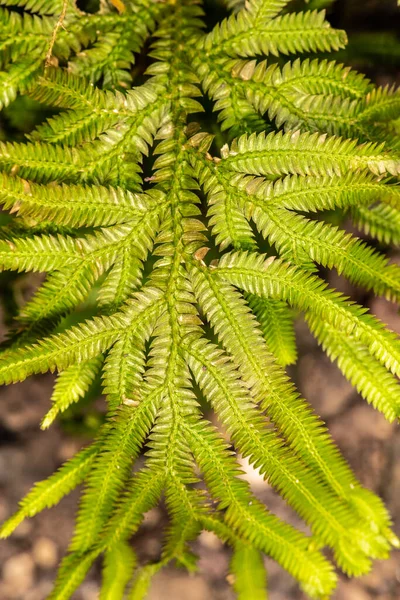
x: 71, y: 385
x: 119, y: 563
x: 380, y: 221
x: 248, y: 572
x: 119, y: 196
x: 49, y: 492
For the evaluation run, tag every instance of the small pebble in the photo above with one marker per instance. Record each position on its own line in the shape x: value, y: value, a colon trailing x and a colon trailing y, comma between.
x: 18, y: 574
x: 45, y: 553
x: 210, y: 540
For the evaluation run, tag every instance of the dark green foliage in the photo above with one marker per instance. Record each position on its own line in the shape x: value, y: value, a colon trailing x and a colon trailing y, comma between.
x: 119, y: 196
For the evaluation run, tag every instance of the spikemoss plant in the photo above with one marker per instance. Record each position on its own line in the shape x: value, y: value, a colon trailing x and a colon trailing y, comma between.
x: 120, y: 195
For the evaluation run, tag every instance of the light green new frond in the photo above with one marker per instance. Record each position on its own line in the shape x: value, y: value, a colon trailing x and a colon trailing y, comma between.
x: 142, y: 581
x: 119, y: 563
x: 81, y: 342
x: 249, y: 576
x: 74, y: 205
x: 379, y: 221
x: 249, y: 518
x: 381, y: 104
x: 332, y: 523
x: 65, y: 90
x: 316, y: 95
x: 305, y: 154
x: 379, y: 387
x: 296, y: 238
x: 312, y: 194
x: 49, y: 492
x: 39, y: 253
x: 276, y: 279
x: 236, y: 112
x: 128, y: 427
x: 277, y: 325
x: 287, y: 34
x: 270, y: 386
x: 94, y: 112
x: 226, y: 217
x: 71, y: 385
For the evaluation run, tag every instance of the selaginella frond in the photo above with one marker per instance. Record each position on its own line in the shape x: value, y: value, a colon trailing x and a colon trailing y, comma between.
x: 120, y: 195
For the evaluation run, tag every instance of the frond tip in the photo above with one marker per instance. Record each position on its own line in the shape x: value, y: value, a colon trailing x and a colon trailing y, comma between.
x: 176, y: 262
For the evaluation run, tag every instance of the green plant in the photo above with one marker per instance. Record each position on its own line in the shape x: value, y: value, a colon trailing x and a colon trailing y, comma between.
x: 171, y: 328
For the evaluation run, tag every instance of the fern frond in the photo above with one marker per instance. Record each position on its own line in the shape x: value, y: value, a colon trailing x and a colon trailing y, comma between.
x: 71, y: 385
x: 287, y: 34
x: 302, y: 239
x: 312, y: 194
x: 301, y: 94
x: 270, y: 278
x: 270, y: 387
x: 81, y: 342
x: 380, y: 221
x: 118, y: 567
x: 265, y: 450
x: 118, y: 197
x: 40, y: 253
x: 305, y: 154
x: 248, y: 572
x: 49, y: 492
x: 127, y: 432
x: 372, y: 381
x: 74, y: 206
x: 277, y: 325
x: 250, y: 519
x: 90, y: 111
